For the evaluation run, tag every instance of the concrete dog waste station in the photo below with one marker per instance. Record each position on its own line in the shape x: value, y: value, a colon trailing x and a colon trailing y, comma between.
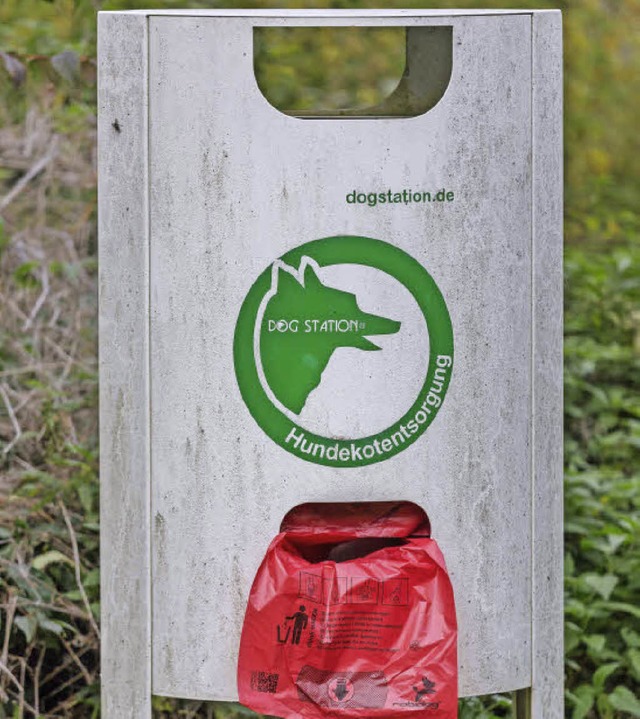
x: 328, y: 309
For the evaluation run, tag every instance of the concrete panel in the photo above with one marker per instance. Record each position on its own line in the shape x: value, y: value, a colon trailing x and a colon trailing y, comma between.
x: 235, y: 185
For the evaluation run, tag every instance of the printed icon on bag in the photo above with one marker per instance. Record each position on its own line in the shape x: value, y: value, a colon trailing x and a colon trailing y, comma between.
x: 310, y: 586
x: 293, y: 626
x: 343, y: 351
x: 364, y: 591
x: 335, y: 590
x: 427, y: 688
x: 423, y: 692
x: 396, y: 592
x: 340, y: 690
x: 264, y: 682
x: 352, y: 590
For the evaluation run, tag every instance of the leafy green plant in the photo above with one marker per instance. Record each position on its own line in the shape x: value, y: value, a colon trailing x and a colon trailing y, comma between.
x: 50, y: 574
x: 602, y: 495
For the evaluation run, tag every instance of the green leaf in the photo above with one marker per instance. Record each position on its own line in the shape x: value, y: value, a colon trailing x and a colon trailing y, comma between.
x: 603, y: 584
x: 50, y: 626
x: 28, y: 626
x: 24, y: 276
x: 621, y: 607
x: 615, y: 541
x: 86, y: 495
x: 583, y: 698
x: 572, y: 636
x: 602, y: 673
x: 42, y: 561
x: 595, y: 642
x: 631, y: 638
x: 625, y: 700
x: 634, y: 659
x: 92, y: 579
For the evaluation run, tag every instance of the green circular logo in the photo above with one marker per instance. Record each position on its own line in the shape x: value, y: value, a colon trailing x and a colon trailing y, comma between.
x: 309, y: 307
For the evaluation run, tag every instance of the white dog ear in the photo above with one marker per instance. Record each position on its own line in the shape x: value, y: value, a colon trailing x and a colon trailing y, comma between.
x: 284, y: 276
x: 311, y: 278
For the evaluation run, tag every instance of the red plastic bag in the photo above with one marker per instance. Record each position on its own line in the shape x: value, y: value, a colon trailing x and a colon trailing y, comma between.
x: 351, y: 614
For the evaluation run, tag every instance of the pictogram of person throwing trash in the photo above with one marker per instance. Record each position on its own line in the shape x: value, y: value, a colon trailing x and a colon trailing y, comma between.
x: 300, y: 620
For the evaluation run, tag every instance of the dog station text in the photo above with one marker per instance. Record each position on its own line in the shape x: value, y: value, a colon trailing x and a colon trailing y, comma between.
x: 401, y: 197
x: 312, y: 326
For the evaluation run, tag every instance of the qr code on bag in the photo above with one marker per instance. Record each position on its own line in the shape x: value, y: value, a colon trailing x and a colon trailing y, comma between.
x: 264, y: 682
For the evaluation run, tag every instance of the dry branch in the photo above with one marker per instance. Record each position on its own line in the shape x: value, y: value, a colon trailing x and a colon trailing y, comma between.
x: 12, y: 416
x: 33, y: 172
x: 76, y: 561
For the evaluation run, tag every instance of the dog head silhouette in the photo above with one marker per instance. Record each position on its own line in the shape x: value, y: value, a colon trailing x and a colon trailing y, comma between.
x: 304, y: 323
